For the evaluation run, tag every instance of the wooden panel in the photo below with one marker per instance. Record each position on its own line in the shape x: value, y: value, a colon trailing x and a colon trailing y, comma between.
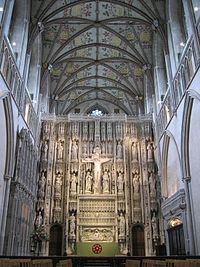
x: 176, y: 240
x: 153, y: 263
x: 132, y: 263
x: 138, y: 245
x: 65, y: 263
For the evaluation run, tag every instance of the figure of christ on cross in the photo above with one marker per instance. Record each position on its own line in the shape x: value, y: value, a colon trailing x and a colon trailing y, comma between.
x: 97, y: 168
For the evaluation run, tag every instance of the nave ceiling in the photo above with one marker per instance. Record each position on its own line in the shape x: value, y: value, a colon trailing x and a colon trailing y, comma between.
x: 97, y: 54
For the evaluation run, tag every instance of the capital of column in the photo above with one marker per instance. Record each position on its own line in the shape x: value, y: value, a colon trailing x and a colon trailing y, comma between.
x: 187, y: 179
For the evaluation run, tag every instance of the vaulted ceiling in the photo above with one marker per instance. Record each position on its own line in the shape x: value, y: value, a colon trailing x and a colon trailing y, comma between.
x: 97, y: 54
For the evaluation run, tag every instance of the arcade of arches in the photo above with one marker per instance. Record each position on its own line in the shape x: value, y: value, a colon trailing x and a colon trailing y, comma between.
x: 99, y: 105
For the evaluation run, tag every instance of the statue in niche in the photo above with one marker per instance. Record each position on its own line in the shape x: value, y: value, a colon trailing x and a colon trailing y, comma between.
x: 62, y: 128
x: 154, y: 226
x: 58, y: 184
x: 118, y: 131
x: 39, y: 219
x: 152, y: 184
x: 134, y: 152
x: 150, y: 151
x: 85, y: 131
x: 74, y: 151
x: 103, y: 132
x: 74, y: 130
x: 91, y: 147
x: 109, y: 148
x: 97, y: 168
x: 41, y: 185
x: 113, y: 181
x: 84, y: 152
x: 60, y: 149
x: 103, y: 148
x: 122, y: 225
x: 120, y: 183
x: 88, y: 182
x: 119, y: 150
x: 73, y: 183
x: 136, y: 183
x: 109, y: 131
x: 46, y: 127
x: 45, y: 149
x: 91, y: 132
x: 106, y: 182
x: 72, y: 225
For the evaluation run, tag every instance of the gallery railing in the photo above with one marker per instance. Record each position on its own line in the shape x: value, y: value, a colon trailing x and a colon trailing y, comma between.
x: 16, y: 86
x: 182, y: 79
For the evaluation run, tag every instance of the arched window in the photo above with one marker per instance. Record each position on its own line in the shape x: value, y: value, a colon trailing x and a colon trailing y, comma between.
x: 180, y: 26
x: 18, y: 31
x: 2, y: 3
x: 196, y: 8
x: 96, y: 113
x: 33, y: 79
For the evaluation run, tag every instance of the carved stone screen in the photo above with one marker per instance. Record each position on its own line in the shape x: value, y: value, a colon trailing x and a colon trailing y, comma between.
x: 97, y: 179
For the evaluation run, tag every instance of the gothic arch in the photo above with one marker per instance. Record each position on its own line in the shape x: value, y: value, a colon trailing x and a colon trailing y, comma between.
x: 9, y: 167
x: 9, y: 163
x: 168, y: 138
x: 55, y: 242
x: 191, y: 94
x: 137, y: 240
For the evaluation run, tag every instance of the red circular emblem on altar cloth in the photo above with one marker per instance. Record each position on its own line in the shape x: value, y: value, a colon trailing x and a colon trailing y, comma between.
x: 97, y: 248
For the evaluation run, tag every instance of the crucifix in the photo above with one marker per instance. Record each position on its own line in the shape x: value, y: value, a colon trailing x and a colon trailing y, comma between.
x: 97, y: 168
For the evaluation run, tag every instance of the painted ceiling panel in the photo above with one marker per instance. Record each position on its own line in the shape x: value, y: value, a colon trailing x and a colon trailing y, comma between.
x: 97, y: 51
x: 112, y: 10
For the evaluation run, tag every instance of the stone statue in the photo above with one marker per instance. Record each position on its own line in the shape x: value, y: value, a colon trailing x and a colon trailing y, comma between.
x: 103, y: 148
x: 72, y: 225
x: 88, y: 182
x: 152, y: 184
x: 91, y: 131
x: 97, y: 168
x: 74, y: 151
x: 62, y: 128
x: 122, y: 225
x: 106, y: 181
x: 103, y: 131
x: 91, y: 147
x: 84, y: 152
x: 136, y: 183
x: 60, y: 150
x: 119, y: 131
x: 109, y: 148
x: 119, y: 150
x: 45, y: 149
x: 154, y: 226
x: 39, y: 219
x: 85, y: 131
x: 149, y: 151
x: 109, y: 131
x: 73, y: 183
x: 46, y: 127
x: 41, y: 185
x: 134, y: 152
x: 58, y: 184
x: 120, y: 183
